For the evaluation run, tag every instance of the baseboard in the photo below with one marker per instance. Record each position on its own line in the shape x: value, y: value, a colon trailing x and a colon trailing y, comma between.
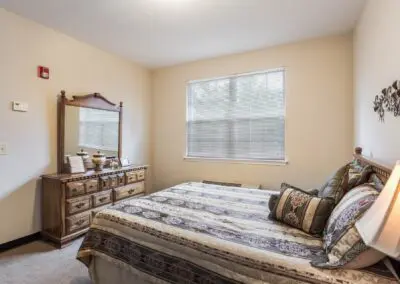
x: 19, y: 242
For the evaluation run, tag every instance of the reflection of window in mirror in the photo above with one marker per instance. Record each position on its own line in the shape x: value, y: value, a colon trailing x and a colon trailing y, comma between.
x: 98, y: 129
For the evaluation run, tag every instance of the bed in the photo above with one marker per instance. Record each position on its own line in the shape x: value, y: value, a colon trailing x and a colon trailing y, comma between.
x: 205, y: 233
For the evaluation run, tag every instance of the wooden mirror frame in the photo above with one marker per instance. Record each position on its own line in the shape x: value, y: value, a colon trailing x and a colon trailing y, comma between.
x: 95, y: 101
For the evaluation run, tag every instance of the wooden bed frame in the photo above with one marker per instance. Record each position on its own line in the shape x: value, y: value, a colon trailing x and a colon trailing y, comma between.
x: 382, y: 170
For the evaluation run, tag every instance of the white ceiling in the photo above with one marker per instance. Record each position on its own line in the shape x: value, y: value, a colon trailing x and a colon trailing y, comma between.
x: 159, y: 33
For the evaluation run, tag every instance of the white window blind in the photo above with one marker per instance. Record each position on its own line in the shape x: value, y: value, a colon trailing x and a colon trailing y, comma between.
x: 240, y: 117
x: 98, y: 129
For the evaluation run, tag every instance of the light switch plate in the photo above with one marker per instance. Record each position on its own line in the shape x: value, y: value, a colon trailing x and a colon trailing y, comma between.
x: 3, y: 149
x: 20, y: 106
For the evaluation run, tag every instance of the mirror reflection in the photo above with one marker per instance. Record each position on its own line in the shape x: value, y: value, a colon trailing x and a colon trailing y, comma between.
x: 91, y: 130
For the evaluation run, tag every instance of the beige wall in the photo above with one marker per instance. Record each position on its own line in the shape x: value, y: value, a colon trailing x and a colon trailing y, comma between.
x: 31, y: 137
x: 319, y: 132
x: 377, y: 63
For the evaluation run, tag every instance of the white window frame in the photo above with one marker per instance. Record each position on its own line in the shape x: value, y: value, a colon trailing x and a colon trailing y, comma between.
x: 282, y: 162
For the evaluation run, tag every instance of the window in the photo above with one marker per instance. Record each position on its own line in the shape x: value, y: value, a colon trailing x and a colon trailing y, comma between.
x: 239, y: 117
x: 98, y: 129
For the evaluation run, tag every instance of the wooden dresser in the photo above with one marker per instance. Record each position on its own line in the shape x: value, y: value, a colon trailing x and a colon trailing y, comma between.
x: 69, y: 201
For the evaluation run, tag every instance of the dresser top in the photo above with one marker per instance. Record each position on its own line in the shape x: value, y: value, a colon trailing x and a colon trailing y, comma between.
x: 93, y: 174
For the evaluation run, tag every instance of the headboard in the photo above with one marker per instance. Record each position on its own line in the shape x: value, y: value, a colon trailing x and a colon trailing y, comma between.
x: 381, y: 169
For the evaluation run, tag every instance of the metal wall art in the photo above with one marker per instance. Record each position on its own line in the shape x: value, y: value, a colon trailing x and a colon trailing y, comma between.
x: 388, y: 101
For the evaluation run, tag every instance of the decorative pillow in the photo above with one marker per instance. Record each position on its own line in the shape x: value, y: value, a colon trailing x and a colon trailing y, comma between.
x: 302, y: 210
x: 337, y: 185
x: 358, y: 174
x: 376, y: 182
x: 285, y: 185
x: 274, y: 198
x: 343, y: 244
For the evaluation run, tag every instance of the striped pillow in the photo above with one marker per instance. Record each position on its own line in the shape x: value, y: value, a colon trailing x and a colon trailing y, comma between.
x: 285, y: 185
x: 342, y: 242
x: 274, y: 198
x: 303, y: 211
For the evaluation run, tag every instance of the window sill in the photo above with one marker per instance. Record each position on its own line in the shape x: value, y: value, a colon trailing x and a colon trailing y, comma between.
x: 239, y: 161
x: 98, y: 148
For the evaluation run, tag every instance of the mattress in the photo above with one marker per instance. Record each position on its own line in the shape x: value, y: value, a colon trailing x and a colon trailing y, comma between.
x: 205, y: 233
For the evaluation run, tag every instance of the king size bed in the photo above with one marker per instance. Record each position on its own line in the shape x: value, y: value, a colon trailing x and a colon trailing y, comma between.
x: 206, y: 233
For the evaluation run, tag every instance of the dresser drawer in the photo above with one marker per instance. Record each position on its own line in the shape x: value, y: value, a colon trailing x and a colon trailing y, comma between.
x: 102, y: 198
x: 76, y: 205
x: 121, y: 179
x: 130, y: 177
x: 77, y: 222
x: 75, y: 188
x: 140, y: 175
x: 104, y: 182
x: 128, y: 190
x: 113, y: 180
x: 92, y: 185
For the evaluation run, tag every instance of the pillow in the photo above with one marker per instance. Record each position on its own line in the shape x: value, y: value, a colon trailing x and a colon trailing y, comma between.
x: 358, y: 174
x: 337, y: 185
x: 376, y: 182
x: 342, y: 242
x: 285, y: 185
x: 274, y: 198
x: 303, y: 211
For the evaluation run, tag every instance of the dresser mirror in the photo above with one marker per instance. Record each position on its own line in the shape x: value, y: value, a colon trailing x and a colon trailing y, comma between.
x: 86, y: 125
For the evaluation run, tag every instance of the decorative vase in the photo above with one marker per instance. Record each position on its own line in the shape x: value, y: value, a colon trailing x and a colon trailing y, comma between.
x: 99, y: 159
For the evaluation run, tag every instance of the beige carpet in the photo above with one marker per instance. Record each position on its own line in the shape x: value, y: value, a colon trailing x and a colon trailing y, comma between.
x: 41, y: 263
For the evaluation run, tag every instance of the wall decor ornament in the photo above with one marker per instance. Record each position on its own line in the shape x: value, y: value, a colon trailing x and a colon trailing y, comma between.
x: 388, y: 101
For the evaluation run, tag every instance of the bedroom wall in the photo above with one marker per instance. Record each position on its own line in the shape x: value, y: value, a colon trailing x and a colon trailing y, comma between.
x: 319, y: 122
x: 31, y: 137
x: 376, y: 66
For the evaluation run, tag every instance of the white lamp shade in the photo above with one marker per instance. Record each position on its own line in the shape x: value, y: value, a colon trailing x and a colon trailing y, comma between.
x: 380, y: 225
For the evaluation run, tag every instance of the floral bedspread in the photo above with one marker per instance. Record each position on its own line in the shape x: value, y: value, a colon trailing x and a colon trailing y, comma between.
x: 204, y: 233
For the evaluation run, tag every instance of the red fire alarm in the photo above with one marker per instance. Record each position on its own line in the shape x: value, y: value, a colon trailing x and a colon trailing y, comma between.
x: 43, y: 72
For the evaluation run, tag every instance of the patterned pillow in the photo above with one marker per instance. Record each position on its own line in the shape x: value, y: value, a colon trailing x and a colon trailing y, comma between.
x: 274, y: 198
x: 342, y: 242
x: 376, y: 182
x: 337, y: 185
x: 285, y: 185
x: 302, y: 210
x: 358, y: 174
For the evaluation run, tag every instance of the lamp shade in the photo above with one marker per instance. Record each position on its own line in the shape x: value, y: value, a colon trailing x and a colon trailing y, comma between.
x: 380, y: 225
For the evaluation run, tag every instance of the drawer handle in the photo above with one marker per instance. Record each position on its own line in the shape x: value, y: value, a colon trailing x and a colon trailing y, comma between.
x: 80, y: 205
x: 74, y: 190
x: 103, y: 199
x: 80, y: 222
x: 131, y: 191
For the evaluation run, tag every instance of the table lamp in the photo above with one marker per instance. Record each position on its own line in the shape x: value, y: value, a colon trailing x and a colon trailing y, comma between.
x: 380, y: 225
